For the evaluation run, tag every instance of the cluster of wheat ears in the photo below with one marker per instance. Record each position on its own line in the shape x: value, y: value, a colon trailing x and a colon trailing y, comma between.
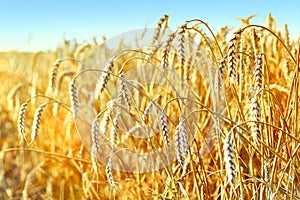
x: 191, y: 116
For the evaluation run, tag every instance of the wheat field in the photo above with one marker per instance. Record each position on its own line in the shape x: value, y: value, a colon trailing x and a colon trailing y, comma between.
x: 194, y: 115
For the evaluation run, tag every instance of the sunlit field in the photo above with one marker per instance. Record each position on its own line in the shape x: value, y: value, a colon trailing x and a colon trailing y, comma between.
x: 194, y: 114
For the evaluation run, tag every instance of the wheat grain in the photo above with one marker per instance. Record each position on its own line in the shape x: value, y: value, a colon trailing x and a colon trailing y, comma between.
x: 228, y: 158
x: 181, y: 142
x: 21, y: 120
x: 73, y: 98
x: 37, y: 121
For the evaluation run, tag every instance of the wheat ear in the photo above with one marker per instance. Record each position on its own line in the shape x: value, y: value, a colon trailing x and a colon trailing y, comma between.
x: 37, y: 121
x: 95, y: 141
x: 232, y: 58
x: 228, y: 158
x: 257, y: 74
x: 157, y: 31
x: 109, y: 174
x: 287, y: 36
x: 147, y: 110
x: 113, y: 130
x: 73, y: 98
x: 53, y: 73
x: 254, y: 117
x: 181, y: 142
x: 165, y: 52
x: 165, y: 130
x: 21, y: 120
x: 101, y: 84
x: 181, y: 49
x: 124, y: 92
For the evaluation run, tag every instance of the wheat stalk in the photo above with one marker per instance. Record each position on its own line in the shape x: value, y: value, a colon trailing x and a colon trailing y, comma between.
x: 73, y: 98
x: 228, y: 158
x: 181, y: 142
x: 134, y: 129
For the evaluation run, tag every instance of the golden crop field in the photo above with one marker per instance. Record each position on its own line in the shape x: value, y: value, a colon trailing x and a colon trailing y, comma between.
x: 195, y: 115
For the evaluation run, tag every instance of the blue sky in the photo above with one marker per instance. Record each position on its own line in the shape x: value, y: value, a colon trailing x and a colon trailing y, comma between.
x: 34, y: 25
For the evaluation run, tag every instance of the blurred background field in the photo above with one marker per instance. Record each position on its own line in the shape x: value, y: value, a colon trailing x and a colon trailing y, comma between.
x: 58, y: 166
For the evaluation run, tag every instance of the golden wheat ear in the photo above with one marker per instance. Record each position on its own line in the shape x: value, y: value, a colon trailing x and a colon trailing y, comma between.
x: 124, y: 92
x: 159, y: 28
x: 165, y: 130
x: 37, y: 121
x: 165, y: 52
x: 95, y: 148
x: 21, y: 121
x: 232, y: 63
x: 109, y: 174
x: 53, y: 73
x: 229, y: 159
x: 73, y: 93
x: 181, y: 142
x: 105, y: 75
